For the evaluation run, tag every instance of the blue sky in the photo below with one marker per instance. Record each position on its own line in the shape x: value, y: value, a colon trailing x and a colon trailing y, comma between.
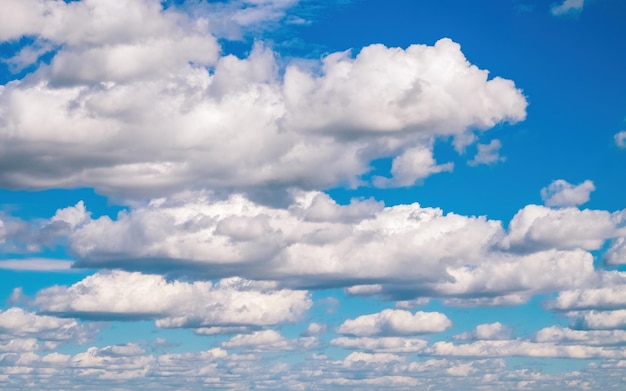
x: 280, y: 194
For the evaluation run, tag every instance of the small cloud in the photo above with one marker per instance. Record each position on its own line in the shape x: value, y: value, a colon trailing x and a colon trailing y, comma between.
x: 488, y: 154
x: 485, y: 332
x: 36, y: 264
x: 567, y: 7
x: 620, y: 139
x: 562, y: 193
x: 314, y: 329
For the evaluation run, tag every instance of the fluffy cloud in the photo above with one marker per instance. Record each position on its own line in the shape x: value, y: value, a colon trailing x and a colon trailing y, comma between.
x: 381, y: 344
x: 316, y: 243
x: 17, y: 323
x: 491, y: 331
x: 267, y: 340
x: 395, y: 322
x: 487, y: 153
x: 412, y: 165
x: 123, y: 295
x: 315, y: 329
x: 536, y: 227
x: 103, y: 111
x: 606, y: 297
x: 556, y: 334
x: 616, y: 254
x: 599, y: 320
x: 562, y: 193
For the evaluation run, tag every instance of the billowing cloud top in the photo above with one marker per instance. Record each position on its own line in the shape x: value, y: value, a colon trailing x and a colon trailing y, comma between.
x: 141, y: 111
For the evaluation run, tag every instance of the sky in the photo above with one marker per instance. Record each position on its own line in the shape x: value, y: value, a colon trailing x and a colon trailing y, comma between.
x: 302, y: 195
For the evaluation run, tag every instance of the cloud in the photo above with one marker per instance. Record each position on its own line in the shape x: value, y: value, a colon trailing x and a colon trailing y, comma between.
x: 267, y: 340
x: 487, y: 154
x: 599, y: 320
x: 562, y: 193
x: 243, y: 124
x: 491, y: 331
x: 381, y: 344
x: 395, y: 323
x: 18, y: 323
x: 314, y: 329
x: 605, y: 297
x: 557, y: 334
x: 567, y: 7
x: 363, y: 246
x: 536, y: 227
x: 121, y: 295
x: 523, y: 349
x: 616, y: 254
x: 620, y: 139
x: 412, y: 165
x: 36, y: 264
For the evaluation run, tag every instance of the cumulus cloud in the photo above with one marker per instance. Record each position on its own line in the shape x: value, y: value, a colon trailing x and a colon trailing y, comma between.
x: 606, y: 297
x: 556, y: 334
x: 18, y: 323
x: 487, y: 154
x: 562, y: 193
x: 123, y: 76
x: 315, y: 329
x: 567, y: 7
x: 491, y: 331
x: 133, y: 296
x: 394, y: 323
x: 412, y: 165
x: 536, y: 227
x: 267, y: 340
x: 381, y: 344
x: 599, y: 320
x: 401, y: 252
x: 616, y: 254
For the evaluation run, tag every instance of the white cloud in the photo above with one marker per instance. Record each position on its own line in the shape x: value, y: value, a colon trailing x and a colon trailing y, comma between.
x: 17, y: 323
x: 490, y: 331
x: 315, y: 329
x: 371, y: 358
x: 381, y: 344
x: 616, y: 254
x: 239, y: 127
x: 123, y: 295
x: 523, y: 349
x: 562, y: 193
x: 600, y: 320
x: 418, y: 252
x: 536, y: 227
x: 18, y: 345
x: 412, y: 165
x: 605, y: 297
x: 395, y: 323
x: 36, y: 264
x: 558, y: 334
x: 267, y: 340
x: 487, y: 154
x: 620, y: 139
x: 567, y: 7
